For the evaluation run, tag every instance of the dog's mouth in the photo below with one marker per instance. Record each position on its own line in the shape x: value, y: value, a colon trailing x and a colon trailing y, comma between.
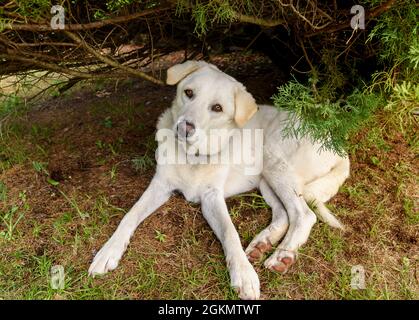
x: 190, y: 144
x: 182, y: 139
x: 190, y: 140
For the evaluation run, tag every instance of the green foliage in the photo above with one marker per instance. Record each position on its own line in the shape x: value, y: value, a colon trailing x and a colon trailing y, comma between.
x: 3, y: 191
x: 113, y: 5
x: 10, y: 219
x: 398, y: 34
x: 9, y: 104
x: 207, y: 13
x: 321, y: 114
x: 142, y: 163
x: 34, y: 8
x: 328, y: 123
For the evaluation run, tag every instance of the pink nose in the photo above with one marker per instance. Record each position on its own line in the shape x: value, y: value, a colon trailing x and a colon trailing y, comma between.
x: 185, y: 129
x: 190, y: 128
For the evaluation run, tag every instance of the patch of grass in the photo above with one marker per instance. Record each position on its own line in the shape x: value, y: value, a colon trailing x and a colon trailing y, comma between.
x: 113, y: 172
x: 11, y: 217
x: 142, y: 163
x: 183, y: 259
x: 328, y: 242
x: 62, y: 227
x: 82, y: 214
x: 255, y: 201
x: 3, y: 191
x: 147, y: 160
x: 357, y: 192
x: 408, y: 284
x: 160, y: 236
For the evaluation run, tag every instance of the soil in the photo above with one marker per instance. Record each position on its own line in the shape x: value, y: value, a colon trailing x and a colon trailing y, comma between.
x: 82, y: 125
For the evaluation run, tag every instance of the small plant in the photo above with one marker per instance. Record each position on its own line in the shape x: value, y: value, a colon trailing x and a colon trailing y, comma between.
x: 107, y: 122
x: 160, y: 236
x: 12, y: 217
x: 40, y: 168
x: 100, y: 144
x: 257, y: 201
x: 3, y: 191
x: 83, y: 215
x: 113, y: 172
x: 142, y: 163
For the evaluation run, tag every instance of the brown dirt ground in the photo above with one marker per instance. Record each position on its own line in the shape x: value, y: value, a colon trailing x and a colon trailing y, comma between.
x: 76, y: 123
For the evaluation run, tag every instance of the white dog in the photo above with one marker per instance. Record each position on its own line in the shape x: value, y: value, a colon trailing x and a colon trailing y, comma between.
x: 294, y: 172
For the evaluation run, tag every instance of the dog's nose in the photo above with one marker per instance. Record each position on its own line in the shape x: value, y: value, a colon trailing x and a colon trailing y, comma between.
x: 185, y: 129
x: 190, y: 128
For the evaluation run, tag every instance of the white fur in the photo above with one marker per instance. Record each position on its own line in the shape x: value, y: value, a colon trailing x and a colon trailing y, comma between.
x: 294, y: 171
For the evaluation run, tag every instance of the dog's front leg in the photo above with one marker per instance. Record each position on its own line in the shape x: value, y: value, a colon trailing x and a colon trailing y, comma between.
x: 243, y: 277
x: 157, y: 193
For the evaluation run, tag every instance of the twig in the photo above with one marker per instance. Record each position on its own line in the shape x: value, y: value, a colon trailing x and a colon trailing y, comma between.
x: 368, y: 15
x: 313, y: 71
x: 298, y: 13
x: 86, y: 26
x: 111, y: 62
x: 258, y: 21
x: 53, y: 67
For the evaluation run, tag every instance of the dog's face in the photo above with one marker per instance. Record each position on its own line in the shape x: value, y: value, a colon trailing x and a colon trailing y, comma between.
x: 208, y: 104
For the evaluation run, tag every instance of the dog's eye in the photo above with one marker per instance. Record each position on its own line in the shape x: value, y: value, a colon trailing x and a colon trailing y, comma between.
x: 189, y: 93
x: 217, y: 108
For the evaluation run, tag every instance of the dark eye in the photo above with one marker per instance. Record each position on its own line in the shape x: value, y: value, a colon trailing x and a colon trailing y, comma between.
x: 217, y: 108
x: 189, y: 93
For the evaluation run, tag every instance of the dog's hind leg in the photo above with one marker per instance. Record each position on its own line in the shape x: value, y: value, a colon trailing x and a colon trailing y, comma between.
x: 271, y: 235
x: 285, y: 183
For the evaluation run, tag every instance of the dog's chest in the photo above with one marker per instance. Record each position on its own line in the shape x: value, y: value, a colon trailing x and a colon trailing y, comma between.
x: 191, y: 180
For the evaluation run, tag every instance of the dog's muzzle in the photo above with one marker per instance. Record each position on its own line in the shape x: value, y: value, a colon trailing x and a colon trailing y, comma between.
x: 185, y: 129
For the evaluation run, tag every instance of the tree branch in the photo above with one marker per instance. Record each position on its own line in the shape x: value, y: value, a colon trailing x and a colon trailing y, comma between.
x: 53, y: 67
x: 86, y: 26
x: 368, y: 15
x: 258, y: 21
x: 111, y: 62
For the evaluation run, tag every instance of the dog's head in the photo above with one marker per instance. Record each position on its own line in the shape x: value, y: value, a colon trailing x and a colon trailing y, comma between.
x: 208, y: 103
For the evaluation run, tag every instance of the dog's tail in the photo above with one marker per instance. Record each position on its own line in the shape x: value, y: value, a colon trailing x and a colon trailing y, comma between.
x: 326, y: 216
x: 322, y: 189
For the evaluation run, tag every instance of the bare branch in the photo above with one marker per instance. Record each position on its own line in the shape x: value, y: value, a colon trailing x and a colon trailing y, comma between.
x: 86, y: 26
x: 111, y: 62
x: 368, y: 15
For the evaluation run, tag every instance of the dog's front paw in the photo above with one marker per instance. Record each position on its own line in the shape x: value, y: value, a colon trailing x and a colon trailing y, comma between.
x: 245, y: 280
x: 108, y: 257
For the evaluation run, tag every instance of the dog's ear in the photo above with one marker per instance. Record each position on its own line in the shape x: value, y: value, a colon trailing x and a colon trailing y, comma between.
x: 245, y: 105
x: 180, y: 71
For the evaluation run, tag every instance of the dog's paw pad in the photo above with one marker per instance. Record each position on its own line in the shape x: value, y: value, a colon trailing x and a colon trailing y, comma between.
x: 281, y: 261
x: 256, y: 249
